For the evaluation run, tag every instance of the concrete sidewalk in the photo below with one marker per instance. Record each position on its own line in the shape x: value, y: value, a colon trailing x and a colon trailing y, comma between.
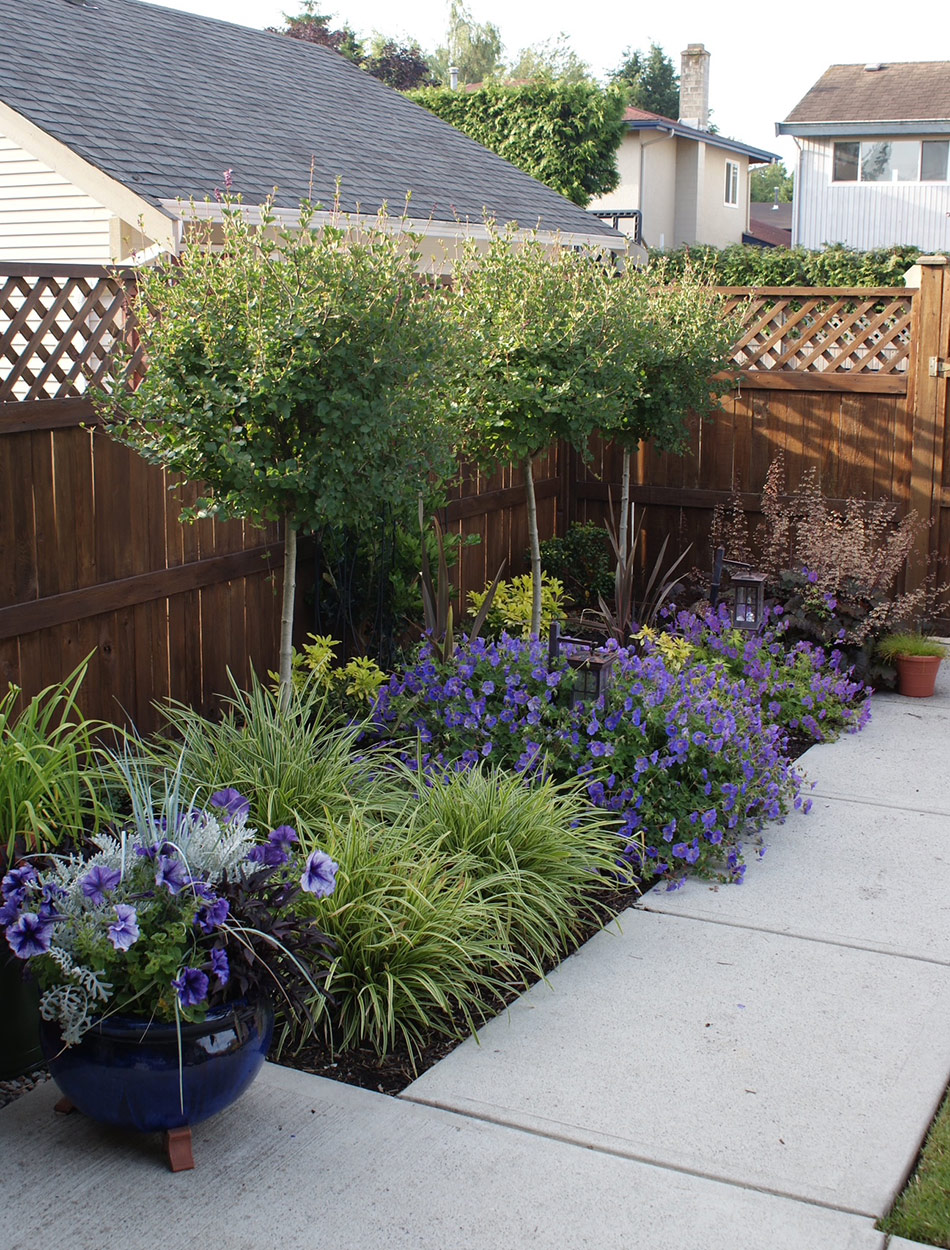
x: 728, y: 1068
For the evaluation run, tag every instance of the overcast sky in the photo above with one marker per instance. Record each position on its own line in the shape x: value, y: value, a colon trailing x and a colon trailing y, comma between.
x: 763, y: 57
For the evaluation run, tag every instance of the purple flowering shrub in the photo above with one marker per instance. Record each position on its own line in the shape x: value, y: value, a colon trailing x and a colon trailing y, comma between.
x: 682, y: 755
x: 803, y: 688
x: 176, y: 916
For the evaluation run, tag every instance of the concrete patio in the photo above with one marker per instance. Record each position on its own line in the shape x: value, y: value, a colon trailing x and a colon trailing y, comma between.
x: 726, y: 1068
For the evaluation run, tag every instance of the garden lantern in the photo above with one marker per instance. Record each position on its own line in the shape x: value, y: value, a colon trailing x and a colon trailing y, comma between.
x: 592, y: 667
x: 748, y: 607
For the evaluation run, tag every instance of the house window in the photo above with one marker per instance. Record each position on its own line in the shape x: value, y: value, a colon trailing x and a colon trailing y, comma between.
x: 933, y: 160
x: 891, y: 160
x: 732, y: 183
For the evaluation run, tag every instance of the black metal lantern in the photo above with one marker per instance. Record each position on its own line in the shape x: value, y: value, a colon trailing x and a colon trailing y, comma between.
x: 748, y: 605
x: 592, y: 667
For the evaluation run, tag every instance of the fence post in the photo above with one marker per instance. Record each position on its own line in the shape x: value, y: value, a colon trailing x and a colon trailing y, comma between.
x: 927, y: 398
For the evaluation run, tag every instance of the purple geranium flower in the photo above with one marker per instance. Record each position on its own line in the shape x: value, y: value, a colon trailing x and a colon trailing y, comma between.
x: 30, y: 935
x: 99, y: 881
x: 319, y: 875
x: 192, y: 987
x: 231, y: 803
x: 220, y: 966
x: 124, y: 931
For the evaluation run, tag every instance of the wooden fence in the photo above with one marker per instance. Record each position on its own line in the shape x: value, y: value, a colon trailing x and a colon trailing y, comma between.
x: 850, y: 383
x: 93, y: 558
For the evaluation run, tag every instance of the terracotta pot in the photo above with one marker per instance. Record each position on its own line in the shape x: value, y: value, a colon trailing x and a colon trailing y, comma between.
x: 917, y: 675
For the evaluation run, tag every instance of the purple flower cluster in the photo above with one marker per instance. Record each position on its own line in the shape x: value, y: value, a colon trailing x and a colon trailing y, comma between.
x: 688, y: 759
x: 157, y: 909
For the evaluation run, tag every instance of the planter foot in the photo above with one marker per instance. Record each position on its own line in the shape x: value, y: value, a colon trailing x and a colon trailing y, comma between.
x: 178, y: 1149
x: 64, y: 1107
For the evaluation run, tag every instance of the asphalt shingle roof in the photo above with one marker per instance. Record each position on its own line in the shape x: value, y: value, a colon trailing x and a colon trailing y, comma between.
x: 903, y: 91
x: 165, y: 101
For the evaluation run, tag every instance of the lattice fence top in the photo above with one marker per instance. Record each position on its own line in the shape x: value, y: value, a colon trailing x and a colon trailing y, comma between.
x: 57, y: 333
x: 808, y: 331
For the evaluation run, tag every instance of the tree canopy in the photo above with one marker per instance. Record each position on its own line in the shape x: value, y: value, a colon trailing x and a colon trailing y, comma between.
x: 473, y: 48
x: 293, y: 372
x: 552, y: 59
x: 564, y: 134
x: 650, y: 81
x: 767, y: 179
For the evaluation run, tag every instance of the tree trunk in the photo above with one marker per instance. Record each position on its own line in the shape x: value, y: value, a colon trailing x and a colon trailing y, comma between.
x: 534, y: 546
x: 625, y: 522
x: 287, y: 613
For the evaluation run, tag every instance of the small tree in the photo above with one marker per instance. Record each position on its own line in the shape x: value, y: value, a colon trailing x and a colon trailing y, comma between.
x: 291, y: 371
x: 532, y: 328
x: 667, y: 344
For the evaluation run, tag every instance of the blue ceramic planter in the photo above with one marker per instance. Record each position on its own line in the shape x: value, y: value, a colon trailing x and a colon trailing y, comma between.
x: 125, y: 1071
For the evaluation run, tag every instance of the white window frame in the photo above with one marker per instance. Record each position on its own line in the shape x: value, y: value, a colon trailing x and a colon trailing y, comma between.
x: 903, y: 182
x: 731, y: 184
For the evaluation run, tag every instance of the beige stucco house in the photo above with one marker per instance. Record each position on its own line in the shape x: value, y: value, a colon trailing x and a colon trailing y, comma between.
x: 118, y: 119
x: 679, y: 182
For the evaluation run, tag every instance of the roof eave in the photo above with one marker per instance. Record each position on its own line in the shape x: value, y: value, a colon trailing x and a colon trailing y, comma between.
x: 756, y: 156
x: 807, y: 130
x: 208, y: 210
x: 95, y: 182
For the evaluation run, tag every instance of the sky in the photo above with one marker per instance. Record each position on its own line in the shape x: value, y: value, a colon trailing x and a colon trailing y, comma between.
x: 763, y: 58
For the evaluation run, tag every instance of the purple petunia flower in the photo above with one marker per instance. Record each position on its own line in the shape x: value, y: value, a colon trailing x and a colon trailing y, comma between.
x: 171, y: 874
x: 231, y: 803
x: 210, y: 918
x: 319, y: 875
x: 10, y: 911
x: 18, y: 879
x: 192, y: 987
x: 30, y: 935
x: 220, y: 966
x: 124, y: 931
x: 99, y: 881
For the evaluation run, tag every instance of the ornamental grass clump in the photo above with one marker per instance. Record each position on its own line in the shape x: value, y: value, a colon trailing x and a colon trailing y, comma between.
x: 178, y: 911
x: 536, y: 853
x: 49, y: 788
x: 415, y: 949
x: 297, y: 764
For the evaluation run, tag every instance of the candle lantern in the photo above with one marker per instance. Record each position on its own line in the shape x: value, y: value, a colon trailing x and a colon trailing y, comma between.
x: 592, y: 667
x: 748, y: 606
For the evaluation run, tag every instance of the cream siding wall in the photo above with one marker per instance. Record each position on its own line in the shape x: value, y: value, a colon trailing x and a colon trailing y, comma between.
x: 720, y: 223
x: 865, y: 215
x: 45, y: 218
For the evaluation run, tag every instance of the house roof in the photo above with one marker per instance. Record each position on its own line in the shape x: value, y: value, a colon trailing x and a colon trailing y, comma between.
x: 881, y: 99
x: 640, y: 119
x: 770, y: 224
x: 163, y: 102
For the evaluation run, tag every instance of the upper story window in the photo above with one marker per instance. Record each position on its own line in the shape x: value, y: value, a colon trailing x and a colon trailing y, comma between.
x: 732, y: 183
x: 892, y: 160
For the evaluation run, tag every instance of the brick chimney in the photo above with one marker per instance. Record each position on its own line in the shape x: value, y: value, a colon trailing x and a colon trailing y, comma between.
x: 694, y: 86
